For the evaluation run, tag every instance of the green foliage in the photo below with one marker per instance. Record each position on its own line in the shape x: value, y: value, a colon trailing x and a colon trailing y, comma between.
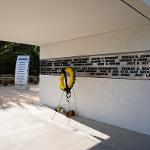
x: 8, y: 55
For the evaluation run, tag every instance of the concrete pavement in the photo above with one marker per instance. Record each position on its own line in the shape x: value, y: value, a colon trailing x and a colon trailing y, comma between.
x: 25, y: 124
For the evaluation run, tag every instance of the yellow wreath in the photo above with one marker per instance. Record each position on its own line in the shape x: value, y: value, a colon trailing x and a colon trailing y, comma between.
x: 70, y: 78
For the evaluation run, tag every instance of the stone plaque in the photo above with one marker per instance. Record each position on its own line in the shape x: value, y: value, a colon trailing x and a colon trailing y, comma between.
x: 133, y: 65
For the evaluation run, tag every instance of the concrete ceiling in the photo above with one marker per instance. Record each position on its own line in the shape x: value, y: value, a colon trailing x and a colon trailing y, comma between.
x: 46, y: 21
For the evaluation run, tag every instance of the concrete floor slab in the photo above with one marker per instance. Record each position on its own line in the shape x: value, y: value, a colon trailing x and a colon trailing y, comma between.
x: 25, y: 124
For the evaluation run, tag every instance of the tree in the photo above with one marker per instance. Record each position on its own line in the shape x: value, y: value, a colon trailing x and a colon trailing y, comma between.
x: 8, y: 55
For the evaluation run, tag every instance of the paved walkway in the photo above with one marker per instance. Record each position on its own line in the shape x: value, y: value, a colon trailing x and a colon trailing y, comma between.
x: 27, y: 125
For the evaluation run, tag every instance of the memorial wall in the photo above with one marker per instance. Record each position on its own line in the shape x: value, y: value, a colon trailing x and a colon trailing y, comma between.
x: 102, y: 96
x: 131, y: 65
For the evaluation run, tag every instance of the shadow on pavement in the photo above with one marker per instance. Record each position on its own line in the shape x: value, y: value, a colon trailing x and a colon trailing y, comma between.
x: 10, y: 97
x: 119, y: 138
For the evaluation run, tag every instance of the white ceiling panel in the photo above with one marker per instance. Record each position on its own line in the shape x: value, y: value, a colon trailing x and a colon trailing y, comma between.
x: 143, y: 6
x: 47, y: 21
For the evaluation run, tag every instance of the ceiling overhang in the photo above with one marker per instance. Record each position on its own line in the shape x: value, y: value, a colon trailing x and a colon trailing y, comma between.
x: 47, y: 21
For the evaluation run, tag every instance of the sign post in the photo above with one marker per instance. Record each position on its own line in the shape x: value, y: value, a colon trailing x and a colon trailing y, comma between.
x: 22, y: 72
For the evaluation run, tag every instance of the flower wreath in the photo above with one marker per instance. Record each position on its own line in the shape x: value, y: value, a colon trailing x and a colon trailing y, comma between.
x: 67, y: 79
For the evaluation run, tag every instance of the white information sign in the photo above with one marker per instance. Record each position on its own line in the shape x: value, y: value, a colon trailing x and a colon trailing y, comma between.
x: 22, y: 72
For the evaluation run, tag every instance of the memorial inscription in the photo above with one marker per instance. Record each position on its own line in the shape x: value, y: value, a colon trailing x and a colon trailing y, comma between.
x: 134, y: 65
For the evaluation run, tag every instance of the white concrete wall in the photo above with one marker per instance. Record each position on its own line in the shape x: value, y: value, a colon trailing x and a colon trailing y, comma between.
x: 124, y: 103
